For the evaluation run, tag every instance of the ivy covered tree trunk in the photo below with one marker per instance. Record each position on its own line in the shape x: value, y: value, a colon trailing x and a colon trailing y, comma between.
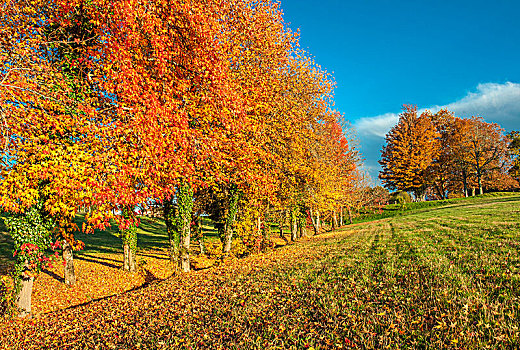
x: 227, y: 235
x: 129, y: 251
x: 31, y: 232
x: 129, y: 238
x: 184, y: 214
x: 68, y: 257
x: 178, y: 220
x: 302, y: 230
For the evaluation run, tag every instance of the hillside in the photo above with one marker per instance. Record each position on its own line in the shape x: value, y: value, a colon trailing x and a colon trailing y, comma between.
x: 445, y: 277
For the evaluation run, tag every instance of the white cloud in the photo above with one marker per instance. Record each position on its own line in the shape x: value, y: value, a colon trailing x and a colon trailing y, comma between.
x: 378, y: 125
x: 498, y: 103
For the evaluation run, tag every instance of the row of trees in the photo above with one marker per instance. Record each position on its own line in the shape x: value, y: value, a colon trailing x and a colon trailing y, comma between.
x: 440, y: 155
x: 200, y: 107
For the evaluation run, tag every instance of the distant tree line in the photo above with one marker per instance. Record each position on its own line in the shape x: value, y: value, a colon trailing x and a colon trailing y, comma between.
x: 439, y: 155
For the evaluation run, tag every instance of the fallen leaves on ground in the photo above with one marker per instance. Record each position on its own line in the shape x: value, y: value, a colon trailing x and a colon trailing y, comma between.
x: 428, y: 280
x: 98, y: 275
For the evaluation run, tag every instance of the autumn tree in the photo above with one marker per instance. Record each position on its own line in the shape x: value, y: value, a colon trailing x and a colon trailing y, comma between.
x: 411, y: 147
x: 441, y: 171
x: 486, y: 147
x: 161, y: 82
x: 514, y: 151
x: 50, y: 132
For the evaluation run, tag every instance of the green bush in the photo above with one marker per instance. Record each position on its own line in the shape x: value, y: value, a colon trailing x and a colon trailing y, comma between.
x: 400, y: 197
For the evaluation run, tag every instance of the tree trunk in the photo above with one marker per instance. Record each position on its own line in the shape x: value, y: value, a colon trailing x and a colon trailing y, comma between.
x: 349, y: 215
x: 465, y: 183
x: 169, y: 213
x: 259, y: 226
x: 126, y: 256
x: 480, y: 189
x: 129, y: 260
x: 68, y: 257
x: 129, y: 238
x: 230, y: 220
x: 294, y: 225
x: 280, y: 227
x: 185, y: 249
x: 313, y: 220
x: 200, y: 236
x: 440, y: 190
x: 341, y: 216
x: 334, y: 220
x: 302, y: 232
x: 184, y: 215
x: 318, y: 223
x: 228, y: 239
x: 266, y: 230
x: 473, y: 191
x: 23, y: 299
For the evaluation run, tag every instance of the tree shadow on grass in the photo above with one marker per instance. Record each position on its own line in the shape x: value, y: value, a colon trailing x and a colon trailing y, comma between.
x: 158, y: 256
x: 54, y: 275
x: 149, y: 278
x: 104, y: 263
x: 98, y: 257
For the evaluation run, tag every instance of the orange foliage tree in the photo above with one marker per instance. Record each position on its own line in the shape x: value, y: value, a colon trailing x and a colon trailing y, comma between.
x: 486, y: 146
x: 117, y: 104
x: 449, y: 155
x: 514, y: 151
x: 411, y: 146
x: 50, y: 134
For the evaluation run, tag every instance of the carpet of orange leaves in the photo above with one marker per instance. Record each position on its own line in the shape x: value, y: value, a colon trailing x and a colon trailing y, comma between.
x: 98, y: 275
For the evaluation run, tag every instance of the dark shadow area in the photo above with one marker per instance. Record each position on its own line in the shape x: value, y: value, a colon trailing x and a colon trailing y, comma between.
x: 104, y: 263
x: 149, y: 241
x: 54, y: 275
x: 81, y: 254
x: 149, y: 277
x: 159, y: 256
x: 6, y: 248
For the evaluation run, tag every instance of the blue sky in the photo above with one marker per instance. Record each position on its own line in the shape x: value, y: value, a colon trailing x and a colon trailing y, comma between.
x: 461, y: 54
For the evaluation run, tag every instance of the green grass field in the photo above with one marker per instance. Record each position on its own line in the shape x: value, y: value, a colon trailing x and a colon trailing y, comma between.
x: 151, y: 235
x: 440, y: 277
x: 393, y: 210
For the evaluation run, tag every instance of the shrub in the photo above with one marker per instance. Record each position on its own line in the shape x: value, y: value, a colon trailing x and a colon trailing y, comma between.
x: 400, y: 197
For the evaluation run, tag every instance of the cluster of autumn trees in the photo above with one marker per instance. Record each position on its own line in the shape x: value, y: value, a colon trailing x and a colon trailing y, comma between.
x: 440, y: 155
x: 200, y: 107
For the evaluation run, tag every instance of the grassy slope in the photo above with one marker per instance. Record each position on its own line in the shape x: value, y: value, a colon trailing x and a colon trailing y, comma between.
x: 393, y: 210
x: 151, y: 236
x: 443, y: 277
